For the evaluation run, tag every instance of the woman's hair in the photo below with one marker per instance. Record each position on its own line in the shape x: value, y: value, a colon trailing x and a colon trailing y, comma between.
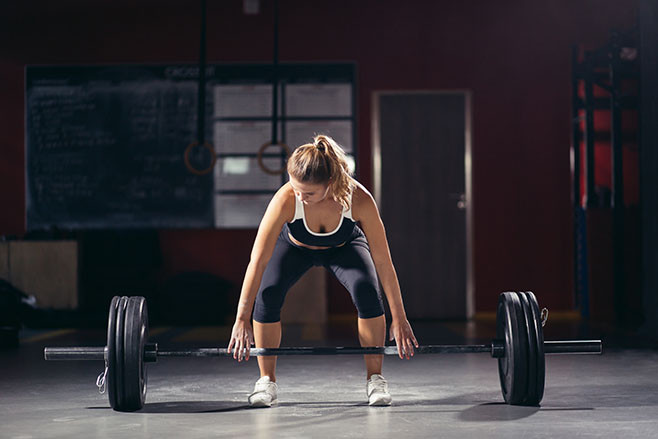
x: 322, y: 162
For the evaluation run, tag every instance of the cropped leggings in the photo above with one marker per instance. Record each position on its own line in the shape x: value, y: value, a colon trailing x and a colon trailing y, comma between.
x: 351, y: 263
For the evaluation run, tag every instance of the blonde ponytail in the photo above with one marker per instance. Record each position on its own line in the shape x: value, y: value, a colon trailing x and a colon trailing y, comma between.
x: 322, y: 162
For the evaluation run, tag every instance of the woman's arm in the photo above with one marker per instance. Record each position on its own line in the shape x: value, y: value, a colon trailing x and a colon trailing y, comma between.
x: 365, y: 211
x: 278, y: 212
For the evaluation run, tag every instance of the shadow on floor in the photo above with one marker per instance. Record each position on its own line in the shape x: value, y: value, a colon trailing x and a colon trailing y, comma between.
x: 561, y: 399
x: 496, y: 411
x: 187, y: 407
x: 603, y: 396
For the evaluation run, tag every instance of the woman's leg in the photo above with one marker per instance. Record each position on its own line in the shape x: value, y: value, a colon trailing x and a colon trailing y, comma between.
x: 353, y: 266
x: 267, y: 335
x: 286, y: 265
x: 372, y: 332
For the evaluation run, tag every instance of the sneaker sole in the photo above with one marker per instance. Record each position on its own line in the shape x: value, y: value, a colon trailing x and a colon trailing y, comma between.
x: 263, y: 404
x: 380, y: 402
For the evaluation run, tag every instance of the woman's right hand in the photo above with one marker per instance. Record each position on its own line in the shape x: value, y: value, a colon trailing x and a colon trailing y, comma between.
x: 242, y: 337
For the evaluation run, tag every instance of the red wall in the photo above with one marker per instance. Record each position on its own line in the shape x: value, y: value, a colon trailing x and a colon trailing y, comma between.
x: 513, y: 55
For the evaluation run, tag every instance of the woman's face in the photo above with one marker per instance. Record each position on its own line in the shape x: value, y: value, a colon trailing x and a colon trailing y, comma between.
x: 309, y: 193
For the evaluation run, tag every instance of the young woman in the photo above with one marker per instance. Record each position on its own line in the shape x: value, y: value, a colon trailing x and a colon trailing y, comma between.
x: 312, y: 221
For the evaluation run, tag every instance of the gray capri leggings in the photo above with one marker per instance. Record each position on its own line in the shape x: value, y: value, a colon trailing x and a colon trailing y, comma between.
x: 351, y: 263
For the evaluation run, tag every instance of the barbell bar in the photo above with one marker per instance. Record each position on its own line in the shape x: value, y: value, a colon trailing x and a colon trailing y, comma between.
x: 519, y: 347
x: 151, y: 351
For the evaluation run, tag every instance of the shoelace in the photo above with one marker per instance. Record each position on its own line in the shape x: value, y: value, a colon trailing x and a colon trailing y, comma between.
x: 378, y: 386
x: 263, y: 387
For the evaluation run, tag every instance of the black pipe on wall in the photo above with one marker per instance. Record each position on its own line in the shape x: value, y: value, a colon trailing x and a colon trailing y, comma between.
x: 649, y: 160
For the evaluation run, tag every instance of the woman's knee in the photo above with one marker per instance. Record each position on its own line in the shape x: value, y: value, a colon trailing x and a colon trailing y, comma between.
x: 368, y: 299
x: 269, y: 301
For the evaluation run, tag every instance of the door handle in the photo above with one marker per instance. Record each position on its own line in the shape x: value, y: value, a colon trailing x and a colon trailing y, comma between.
x: 461, y: 200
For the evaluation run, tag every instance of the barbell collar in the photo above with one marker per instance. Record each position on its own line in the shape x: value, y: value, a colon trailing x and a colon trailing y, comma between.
x: 150, y: 352
x: 497, y: 348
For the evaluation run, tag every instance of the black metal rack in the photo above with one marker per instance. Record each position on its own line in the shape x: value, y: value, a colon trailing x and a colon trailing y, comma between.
x: 605, y: 68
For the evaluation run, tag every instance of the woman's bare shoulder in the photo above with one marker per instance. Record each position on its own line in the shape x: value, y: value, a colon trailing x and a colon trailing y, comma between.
x: 362, y: 201
x: 284, y: 200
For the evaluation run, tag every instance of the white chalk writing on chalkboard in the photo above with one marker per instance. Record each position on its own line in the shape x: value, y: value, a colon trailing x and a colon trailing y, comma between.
x: 109, y: 153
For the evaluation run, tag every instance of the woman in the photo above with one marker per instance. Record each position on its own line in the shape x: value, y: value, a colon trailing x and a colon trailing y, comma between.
x: 311, y: 220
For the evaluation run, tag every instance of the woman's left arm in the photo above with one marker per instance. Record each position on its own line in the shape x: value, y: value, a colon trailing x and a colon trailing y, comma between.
x: 365, y: 211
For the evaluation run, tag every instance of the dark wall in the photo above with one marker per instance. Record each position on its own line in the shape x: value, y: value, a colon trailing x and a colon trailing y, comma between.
x: 513, y: 55
x: 649, y: 162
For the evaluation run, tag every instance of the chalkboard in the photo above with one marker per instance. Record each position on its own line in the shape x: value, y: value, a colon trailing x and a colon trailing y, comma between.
x: 105, y: 144
x: 105, y: 148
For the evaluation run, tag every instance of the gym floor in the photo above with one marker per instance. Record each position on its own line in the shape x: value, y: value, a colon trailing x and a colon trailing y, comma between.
x: 613, y: 395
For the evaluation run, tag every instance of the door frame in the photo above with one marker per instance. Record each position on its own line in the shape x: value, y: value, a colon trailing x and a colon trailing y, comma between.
x: 468, y: 186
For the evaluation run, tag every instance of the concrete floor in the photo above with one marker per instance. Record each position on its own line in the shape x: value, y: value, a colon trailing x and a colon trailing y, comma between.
x: 614, y: 395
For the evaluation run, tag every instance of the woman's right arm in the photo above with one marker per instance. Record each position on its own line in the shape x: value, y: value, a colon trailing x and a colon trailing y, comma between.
x: 278, y: 212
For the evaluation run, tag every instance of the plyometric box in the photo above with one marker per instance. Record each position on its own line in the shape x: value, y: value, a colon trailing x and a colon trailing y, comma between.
x: 47, y: 270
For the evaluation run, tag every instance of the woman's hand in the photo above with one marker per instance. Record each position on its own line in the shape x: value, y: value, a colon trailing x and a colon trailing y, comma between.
x: 401, y: 332
x: 242, y: 337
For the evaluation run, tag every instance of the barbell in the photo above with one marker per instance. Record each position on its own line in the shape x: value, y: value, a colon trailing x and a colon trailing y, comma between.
x: 519, y: 347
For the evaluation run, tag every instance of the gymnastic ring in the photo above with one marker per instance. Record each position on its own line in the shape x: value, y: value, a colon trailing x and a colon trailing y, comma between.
x: 191, y: 168
x: 260, y: 158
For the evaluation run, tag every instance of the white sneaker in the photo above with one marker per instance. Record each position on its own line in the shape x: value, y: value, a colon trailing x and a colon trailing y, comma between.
x: 377, y: 391
x: 264, y: 394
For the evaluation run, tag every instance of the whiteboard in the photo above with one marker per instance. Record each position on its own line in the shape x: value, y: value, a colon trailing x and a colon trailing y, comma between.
x: 243, y: 173
x: 241, y: 137
x: 301, y: 132
x: 231, y: 100
x: 319, y: 100
x: 242, y: 211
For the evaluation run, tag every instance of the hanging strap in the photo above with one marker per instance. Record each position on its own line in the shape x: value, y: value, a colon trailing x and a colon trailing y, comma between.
x: 201, y: 105
x: 201, y: 93
x: 285, y: 151
x: 275, y: 76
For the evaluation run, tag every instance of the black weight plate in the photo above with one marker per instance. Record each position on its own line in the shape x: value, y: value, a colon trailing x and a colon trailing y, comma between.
x: 501, y: 334
x: 129, y: 360
x: 512, y: 368
x: 506, y: 327
x: 119, y: 351
x: 505, y: 362
x: 143, y: 338
x: 531, y: 337
x: 110, y: 380
x: 541, y: 361
x: 135, y: 333
x: 520, y: 340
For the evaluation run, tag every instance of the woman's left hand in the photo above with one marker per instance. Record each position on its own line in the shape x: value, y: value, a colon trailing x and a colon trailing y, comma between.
x: 401, y: 332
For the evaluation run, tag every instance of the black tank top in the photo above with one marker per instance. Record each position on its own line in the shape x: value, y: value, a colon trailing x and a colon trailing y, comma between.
x: 302, y: 233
